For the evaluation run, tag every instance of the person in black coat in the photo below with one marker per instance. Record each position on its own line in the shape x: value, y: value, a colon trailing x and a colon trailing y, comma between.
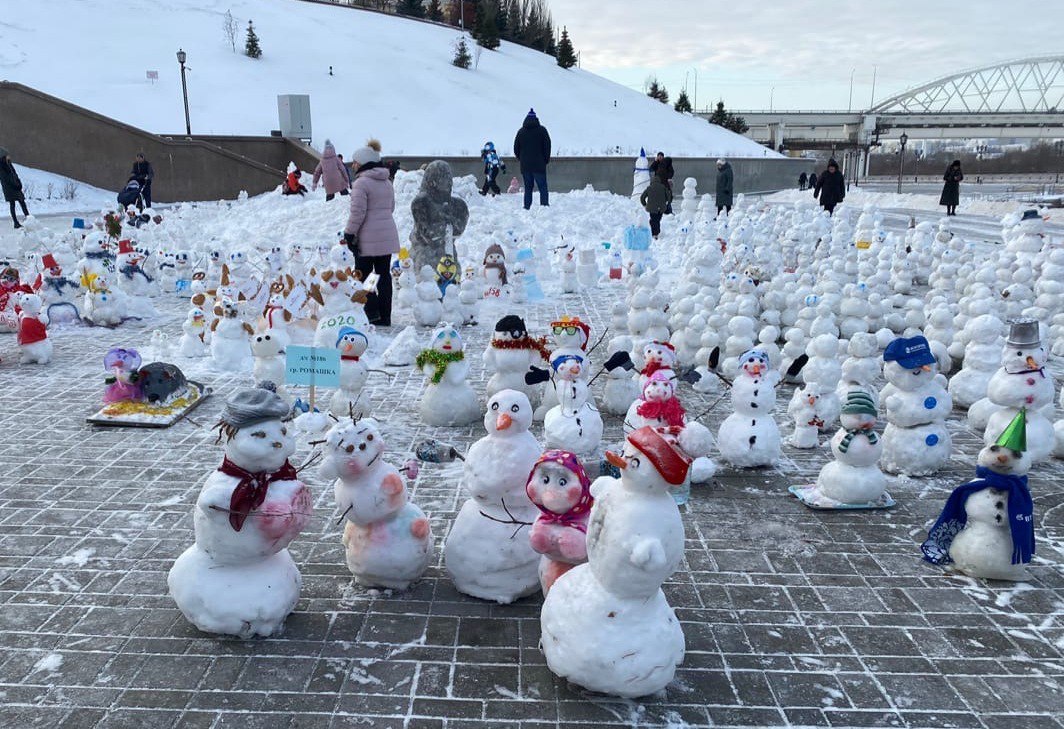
x: 830, y: 186
x: 532, y: 149
x: 951, y: 190
x: 812, y: 180
x: 143, y: 173
x: 802, y: 180
x: 12, y: 186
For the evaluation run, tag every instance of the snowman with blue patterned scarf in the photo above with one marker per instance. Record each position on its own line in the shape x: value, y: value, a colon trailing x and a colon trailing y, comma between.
x: 986, y: 528
x: 916, y: 441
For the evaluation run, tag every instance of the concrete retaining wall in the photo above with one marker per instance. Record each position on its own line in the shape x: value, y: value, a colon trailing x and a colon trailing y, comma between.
x: 615, y: 173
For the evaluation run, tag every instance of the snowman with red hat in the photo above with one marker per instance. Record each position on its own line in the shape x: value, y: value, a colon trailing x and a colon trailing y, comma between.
x: 606, y: 624
x: 569, y: 338
x: 134, y: 281
x: 59, y: 293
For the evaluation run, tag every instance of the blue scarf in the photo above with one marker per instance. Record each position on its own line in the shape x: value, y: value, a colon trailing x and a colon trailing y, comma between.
x: 132, y: 270
x: 58, y: 283
x: 953, y: 517
x: 99, y: 255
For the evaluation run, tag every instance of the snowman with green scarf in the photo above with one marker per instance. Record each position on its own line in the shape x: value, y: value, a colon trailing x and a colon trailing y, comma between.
x: 853, y: 478
x: 448, y: 398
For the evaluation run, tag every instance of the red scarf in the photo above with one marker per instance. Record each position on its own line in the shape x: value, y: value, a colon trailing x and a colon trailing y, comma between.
x: 670, y: 411
x: 654, y: 366
x: 251, y: 491
x: 349, y: 357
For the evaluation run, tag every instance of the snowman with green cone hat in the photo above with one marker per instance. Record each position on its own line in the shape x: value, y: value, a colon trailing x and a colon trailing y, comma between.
x: 986, y: 528
x: 853, y: 480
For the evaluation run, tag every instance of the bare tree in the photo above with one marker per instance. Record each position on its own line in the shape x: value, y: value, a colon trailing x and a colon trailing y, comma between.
x: 230, y: 27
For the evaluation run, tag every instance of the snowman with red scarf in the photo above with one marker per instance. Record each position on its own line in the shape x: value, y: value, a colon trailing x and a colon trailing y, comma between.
x: 658, y: 356
x: 238, y: 578
x: 10, y: 288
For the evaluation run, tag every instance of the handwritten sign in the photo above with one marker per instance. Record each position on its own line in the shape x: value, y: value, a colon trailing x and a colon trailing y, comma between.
x: 153, y: 76
x: 330, y: 328
x: 312, y: 366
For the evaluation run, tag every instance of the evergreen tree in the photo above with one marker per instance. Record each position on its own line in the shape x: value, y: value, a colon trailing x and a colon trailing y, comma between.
x: 462, y: 59
x: 410, y: 8
x: 251, y: 45
x: 486, y: 32
x: 566, y: 56
x: 683, y: 104
x: 658, y: 91
x: 726, y: 119
x: 500, y: 19
x: 549, y: 44
x: 434, y: 11
x: 514, y: 21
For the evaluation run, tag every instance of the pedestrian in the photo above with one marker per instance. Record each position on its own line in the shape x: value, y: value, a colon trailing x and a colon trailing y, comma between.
x: 802, y: 180
x: 292, y: 185
x: 951, y: 190
x: 532, y: 149
x: 492, y: 166
x: 812, y: 181
x: 830, y: 186
x: 655, y: 199
x: 331, y: 168
x: 12, y: 186
x: 347, y: 170
x: 143, y: 173
x: 725, y: 186
x: 371, y: 233
x: 662, y: 162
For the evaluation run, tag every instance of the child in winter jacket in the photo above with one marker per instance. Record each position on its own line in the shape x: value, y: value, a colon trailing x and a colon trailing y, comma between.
x: 492, y: 165
x: 656, y: 200
x: 292, y: 185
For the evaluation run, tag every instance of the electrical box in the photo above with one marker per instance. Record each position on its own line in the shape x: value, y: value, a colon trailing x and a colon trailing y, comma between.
x: 293, y: 111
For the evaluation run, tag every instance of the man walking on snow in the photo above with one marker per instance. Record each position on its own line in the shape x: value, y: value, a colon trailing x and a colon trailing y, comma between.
x: 532, y: 149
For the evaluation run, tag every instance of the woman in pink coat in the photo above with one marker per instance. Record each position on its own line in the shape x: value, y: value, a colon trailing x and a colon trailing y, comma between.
x: 370, y: 232
x: 332, y: 169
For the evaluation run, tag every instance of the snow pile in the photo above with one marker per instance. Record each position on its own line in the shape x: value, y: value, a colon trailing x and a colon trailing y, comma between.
x: 48, y: 193
x: 858, y: 198
x: 393, y: 79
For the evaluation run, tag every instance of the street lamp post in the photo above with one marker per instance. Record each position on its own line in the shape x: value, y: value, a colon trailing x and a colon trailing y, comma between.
x: 849, y: 104
x: 695, y: 103
x: 904, y: 139
x: 771, y: 96
x: 181, y: 56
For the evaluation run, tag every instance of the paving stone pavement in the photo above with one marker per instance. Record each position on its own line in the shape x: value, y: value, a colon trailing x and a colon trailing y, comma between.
x: 792, y: 617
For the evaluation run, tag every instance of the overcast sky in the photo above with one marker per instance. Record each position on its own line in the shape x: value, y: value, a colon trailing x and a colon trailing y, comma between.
x: 804, y: 49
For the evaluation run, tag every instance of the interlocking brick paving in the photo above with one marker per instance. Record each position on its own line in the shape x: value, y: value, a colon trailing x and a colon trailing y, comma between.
x: 792, y: 617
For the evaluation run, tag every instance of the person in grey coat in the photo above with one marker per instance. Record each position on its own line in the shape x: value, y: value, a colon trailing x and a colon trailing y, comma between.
x: 12, y: 186
x: 725, y: 186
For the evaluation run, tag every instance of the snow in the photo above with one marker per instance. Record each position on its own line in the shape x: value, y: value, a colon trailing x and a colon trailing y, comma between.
x: 79, y: 558
x: 391, y: 75
x: 856, y: 197
x: 47, y: 193
x: 49, y: 664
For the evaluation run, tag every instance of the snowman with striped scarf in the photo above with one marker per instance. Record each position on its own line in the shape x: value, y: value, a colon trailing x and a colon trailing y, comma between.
x: 854, y: 478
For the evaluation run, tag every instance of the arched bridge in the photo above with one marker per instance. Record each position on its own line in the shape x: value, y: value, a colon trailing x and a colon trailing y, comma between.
x: 1022, y: 98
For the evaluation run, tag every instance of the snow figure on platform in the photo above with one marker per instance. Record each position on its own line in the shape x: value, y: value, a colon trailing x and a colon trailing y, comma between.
x: 916, y: 441
x: 853, y: 480
x: 606, y: 625
x: 388, y: 539
x: 494, y: 270
x: 1023, y: 382
x: 238, y: 578
x: 510, y: 354
x: 987, y: 526
x: 486, y: 553
x: 640, y: 175
x: 34, y: 345
x: 749, y: 437
x: 560, y: 489
x: 574, y: 423
x: 805, y: 408
x: 354, y: 372
x: 448, y: 399
x: 230, y: 338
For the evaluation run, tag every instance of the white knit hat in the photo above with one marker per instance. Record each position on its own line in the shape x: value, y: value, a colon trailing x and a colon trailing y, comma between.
x: 365, y: 155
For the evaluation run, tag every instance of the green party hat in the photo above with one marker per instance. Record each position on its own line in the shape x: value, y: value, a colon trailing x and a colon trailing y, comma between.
x: 1014, y: 436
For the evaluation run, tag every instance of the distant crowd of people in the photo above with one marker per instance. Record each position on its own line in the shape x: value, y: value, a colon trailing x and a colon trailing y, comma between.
x: 830, y: 186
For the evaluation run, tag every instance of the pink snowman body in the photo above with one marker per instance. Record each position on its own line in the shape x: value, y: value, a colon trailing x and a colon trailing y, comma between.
x: 560, y: 489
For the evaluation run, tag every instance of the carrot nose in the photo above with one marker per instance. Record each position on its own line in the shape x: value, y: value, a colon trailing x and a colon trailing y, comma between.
x: 756, y: 369
x: 503, y: 422
x: 925, y: 368
x: 1003, y: 458
x: 616, y: 460
x: 812, y: 400
x: 1031, y: 363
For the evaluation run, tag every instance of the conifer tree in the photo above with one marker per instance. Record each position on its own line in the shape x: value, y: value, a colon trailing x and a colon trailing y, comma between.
x: 683, y: 104
x: 726, y: 119
x: 486, y: 32
x: 251, y: 45
x: 462, y: 59
x: 658, y: 91
x: 434, y: 11
x: 566, y: 55
x: 410, y: 8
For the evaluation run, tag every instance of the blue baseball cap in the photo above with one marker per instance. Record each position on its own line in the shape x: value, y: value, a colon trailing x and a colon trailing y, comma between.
x: 910, y: 353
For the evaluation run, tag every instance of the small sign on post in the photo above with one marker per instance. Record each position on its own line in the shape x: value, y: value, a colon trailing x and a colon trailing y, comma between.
x: 311, y: 367
x: 153, y: 76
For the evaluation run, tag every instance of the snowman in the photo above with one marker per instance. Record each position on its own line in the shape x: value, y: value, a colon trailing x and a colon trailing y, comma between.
x: 238, y: 578
x: 486, y: 553
x: 388, y: 539
x: 987, y: 526
x: 428, y: 306
x: 509, y: 356
x: 230, y: 337
x: 749, y: 437
x: 104, y: 304
x: 658, y: 406
x: 58, y: 292
x: 805, y: 408
x: 194, y: 329
x: 494, y: 270
x: 354, y: 372
x: 622, y: 384
x: 640, y: 175
x: 1023, y: 382
x: 853, y: 479
x: 560, y: 489
x: 269, y: 358
x: 448, y: 399
x: 569, y: 336
x: 658, y: 356
x: 34, y: 345
x: 574, y: 423
x: 606, y: 625
x: 916, y: 441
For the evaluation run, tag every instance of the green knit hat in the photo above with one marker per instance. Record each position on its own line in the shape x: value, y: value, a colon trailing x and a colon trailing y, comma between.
x: 859, y: 402
x: 1014, y: 437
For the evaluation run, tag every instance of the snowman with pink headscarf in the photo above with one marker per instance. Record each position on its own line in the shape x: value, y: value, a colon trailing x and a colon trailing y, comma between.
x: 561, y: 490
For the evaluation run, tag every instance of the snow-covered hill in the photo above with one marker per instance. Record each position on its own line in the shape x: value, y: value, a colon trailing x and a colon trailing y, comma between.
x: 393, y: 79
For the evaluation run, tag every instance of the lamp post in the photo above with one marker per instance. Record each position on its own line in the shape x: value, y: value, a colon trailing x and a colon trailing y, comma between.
x: 904, y: 139
x: 695, y: 102
x: 771, y: 96
x: 849, y: 104
x: 181, y: 56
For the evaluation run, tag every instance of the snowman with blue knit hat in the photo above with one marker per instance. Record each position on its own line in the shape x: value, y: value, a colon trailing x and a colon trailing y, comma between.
x: 986, y: 529
x: 916, y: 441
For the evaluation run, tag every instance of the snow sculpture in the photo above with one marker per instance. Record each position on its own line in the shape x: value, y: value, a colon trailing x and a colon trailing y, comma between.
x: 916, y: 441
x: 561, y: 490
x: 448, y: 399
x: 437, y: 217
x: 749, y: 436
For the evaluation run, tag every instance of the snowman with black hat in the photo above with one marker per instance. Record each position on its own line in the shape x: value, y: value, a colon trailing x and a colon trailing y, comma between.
x: 510, y: 354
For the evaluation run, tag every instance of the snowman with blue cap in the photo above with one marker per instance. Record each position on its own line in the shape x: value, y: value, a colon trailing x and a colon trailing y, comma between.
x: 916, y: 441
